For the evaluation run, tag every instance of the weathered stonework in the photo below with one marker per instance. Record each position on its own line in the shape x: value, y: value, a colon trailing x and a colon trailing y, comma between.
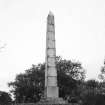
x: 51, y: 96
x: 51, y: 89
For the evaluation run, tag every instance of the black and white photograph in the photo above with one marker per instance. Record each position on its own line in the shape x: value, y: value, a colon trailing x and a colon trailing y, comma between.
x: 52, y: 52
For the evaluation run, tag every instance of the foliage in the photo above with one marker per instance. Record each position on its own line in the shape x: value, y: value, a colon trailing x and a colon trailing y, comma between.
x: 29, y: 86
x: 5, y: 98
x: 94, y: 99
x: 92, y: 93
x: 102, y: 74
x: 72, y: 73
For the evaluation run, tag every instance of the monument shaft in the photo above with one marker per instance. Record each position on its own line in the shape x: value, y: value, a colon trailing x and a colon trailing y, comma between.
x: 51, y: 89
x: 51, y: 93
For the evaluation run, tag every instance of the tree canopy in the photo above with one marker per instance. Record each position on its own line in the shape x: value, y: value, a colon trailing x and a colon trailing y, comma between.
x: 102, y: 72
x: 29, y: 86
x: 5, y: 98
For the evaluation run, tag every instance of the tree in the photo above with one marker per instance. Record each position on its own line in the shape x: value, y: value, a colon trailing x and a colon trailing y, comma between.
x: 92, y: 92
x: 92, y: 84
x: 102, y: 74
x: 29, y: 86
x: 69, y: 76
x: 5, y: 98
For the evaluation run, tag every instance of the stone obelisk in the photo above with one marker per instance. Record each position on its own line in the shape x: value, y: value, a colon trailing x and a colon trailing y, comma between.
x: 51, y: 88
x: 51, y: 93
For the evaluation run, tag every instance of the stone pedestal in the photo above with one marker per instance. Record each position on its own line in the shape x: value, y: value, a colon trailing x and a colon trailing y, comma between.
x: 52, y: 101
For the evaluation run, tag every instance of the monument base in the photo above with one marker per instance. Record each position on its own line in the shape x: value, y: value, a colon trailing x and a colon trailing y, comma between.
x: 52, y: 91
x: 52, y: 101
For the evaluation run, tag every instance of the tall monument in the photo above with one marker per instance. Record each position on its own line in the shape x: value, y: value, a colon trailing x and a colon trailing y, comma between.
x: 51, y: 93
x: 51, y: 88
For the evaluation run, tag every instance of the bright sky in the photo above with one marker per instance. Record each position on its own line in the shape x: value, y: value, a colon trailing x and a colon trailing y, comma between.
x: 80, y: 34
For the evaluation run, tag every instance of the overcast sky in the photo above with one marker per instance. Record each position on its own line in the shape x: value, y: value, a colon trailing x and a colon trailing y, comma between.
x: 80, y: 34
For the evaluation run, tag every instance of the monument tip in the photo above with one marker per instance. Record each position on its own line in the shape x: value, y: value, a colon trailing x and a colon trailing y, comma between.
x: 50, y: 13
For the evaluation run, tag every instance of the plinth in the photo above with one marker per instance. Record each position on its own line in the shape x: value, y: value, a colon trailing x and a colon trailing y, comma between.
x: 52, y: 101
